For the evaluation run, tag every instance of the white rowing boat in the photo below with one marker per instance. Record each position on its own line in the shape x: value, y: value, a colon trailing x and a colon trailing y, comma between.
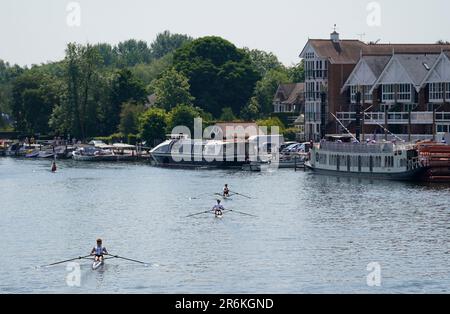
x: 97, y: 264
x: 223, y: 197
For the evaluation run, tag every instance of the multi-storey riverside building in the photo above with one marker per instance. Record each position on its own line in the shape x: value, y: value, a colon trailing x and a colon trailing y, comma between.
x: 395, y: 79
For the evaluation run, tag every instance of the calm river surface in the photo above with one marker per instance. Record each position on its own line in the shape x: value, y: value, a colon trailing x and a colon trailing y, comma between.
x: 313, y: 234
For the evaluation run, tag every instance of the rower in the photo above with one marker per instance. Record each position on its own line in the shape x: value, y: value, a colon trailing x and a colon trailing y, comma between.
x: 226, y: 191
x: 54, y: 167
x: 218, y: 209
x: 98, y: 251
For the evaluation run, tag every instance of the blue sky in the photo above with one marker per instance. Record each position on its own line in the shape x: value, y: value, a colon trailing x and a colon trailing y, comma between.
x: 37, y: 31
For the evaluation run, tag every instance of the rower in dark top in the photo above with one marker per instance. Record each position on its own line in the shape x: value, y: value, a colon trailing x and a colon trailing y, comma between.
x: 226, y: 191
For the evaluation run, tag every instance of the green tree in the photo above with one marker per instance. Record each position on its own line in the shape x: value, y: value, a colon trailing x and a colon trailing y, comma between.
x: 107, y: 53
x: 264, y: 61
x: 172, y: 89
x: 152, y: 125
x: 184, y: 115
x: 227, y: 115
x: 147, y: 73
x: 125, y: 88
x: 8, y: 74
x: 218, y: 73
x: 167, y: 42
x: 129, y: 118
x: 271, y: 122
x: 78, y: 113
x: 297, y: 73
x: 132, y: 52
x: 251, y: 111
x: 33, y: 97
x: 267, y: 87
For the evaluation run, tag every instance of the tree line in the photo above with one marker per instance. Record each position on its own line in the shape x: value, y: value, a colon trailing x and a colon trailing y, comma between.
x: 103, y: 90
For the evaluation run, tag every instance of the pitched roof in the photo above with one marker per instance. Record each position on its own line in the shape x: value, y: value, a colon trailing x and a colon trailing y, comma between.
x: 407, y: 68
x: 289, y: 93
x: 367, y: 71
x: 417, y: 66
x: 350, y: 51
x: 346, y: 51
x: 440, y: 71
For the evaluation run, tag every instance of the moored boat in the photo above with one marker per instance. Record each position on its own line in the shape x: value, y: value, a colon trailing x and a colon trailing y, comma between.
x: 436, y: 159
x: 90, y: 153
x: 384, y: 160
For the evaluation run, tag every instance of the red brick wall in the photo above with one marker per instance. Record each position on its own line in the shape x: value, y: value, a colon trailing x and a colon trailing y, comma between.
x: 337, y: 76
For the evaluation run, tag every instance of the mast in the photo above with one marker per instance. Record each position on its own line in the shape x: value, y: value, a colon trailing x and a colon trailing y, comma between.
x: 358, y: 115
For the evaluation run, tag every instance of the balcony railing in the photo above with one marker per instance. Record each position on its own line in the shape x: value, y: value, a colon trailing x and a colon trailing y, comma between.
x: 312, y: 117
x: 316, y: 74
x: 312, y: 96
x: 417, y: 117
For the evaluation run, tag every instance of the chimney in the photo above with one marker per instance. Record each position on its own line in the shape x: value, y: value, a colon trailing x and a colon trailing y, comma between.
x: 334, y: 36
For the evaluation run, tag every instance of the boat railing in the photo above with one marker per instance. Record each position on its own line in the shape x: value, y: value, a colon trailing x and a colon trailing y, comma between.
x: 361, y: 148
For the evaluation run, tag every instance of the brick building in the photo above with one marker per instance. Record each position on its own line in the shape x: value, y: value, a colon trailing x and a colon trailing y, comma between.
x: 393, y: 77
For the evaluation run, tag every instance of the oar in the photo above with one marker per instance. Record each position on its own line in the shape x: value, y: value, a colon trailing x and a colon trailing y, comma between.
x: 205, y: 212
x: 129, y: 259
x: 241, y: 213
x: 240, y: 194
x: 197, y: 196
x: 69, y: 260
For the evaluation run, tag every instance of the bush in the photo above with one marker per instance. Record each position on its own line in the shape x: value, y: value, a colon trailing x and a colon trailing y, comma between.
x: 113, y: 138
x: 132, y: 139
x: 290, y: 134
x: 270, y: 122
x: 152, y: 126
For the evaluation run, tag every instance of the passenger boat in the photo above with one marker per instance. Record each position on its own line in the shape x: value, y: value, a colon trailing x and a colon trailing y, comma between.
x: 181, y: 151
x: 386, y: 160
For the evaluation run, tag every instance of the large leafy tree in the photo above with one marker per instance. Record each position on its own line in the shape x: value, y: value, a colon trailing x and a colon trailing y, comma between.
x: 267, y: 87
x: 172, y: 89
x: 184, y: 115
x: 152, y: 126
x: 129, y: 118
x: 264, y: 61
x: 78, y: 115
x: 125, y: 88
x: 132, y: 52
x: 297, y: 73
x: 147, y: 73
x: 167, y: 42
x: 33, y: 97
x: 8, y: 74
x: 220, y: 74
x: 107, y: 53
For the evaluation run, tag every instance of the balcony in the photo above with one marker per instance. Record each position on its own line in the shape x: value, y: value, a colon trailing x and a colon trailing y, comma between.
x: 316, y: 74
x: 376, y: 118
x: 312, y: 96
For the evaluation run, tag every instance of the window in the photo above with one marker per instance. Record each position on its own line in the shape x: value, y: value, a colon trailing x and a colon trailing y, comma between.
x: 354, y: 90
x: 403, y: 92
x: 388, y: 92
x: 443, y: 128
x: 436, y: 91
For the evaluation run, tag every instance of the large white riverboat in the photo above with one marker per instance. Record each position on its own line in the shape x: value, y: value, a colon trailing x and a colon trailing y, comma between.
x: 384, y: 160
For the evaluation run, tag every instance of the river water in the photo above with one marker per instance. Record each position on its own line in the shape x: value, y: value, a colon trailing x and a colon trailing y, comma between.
x: 312, y: 234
